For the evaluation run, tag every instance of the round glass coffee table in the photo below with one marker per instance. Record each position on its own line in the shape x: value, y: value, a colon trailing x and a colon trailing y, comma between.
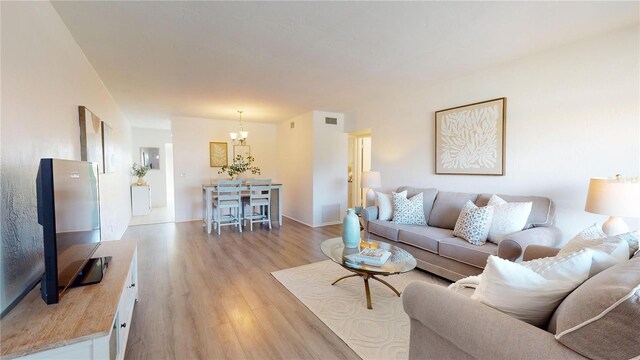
x: 399, y: 262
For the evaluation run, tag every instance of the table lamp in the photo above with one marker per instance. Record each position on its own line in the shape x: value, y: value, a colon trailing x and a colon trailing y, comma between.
x: 617, y: 198
x: 370, y: 180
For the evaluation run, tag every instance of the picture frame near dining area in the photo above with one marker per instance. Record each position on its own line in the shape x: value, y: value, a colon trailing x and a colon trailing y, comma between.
x: 244, y: 150
x: 218, y: 154
x: 470, y: 139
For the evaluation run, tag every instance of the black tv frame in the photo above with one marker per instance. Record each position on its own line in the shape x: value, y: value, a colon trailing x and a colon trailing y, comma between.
x: 47, y: 218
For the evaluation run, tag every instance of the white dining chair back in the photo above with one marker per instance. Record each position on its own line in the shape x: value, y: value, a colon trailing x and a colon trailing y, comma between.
x: 227, y: 196
x: 259, y: 202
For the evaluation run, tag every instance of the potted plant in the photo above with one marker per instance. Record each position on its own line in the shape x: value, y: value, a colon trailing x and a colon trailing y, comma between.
x: 239, y: 166
x: 139, y: 171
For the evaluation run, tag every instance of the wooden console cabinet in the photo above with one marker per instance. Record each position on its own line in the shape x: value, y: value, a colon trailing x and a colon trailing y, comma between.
x: 89, y: 322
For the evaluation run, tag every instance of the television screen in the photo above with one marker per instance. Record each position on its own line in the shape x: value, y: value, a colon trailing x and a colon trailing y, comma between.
x: 69, y: 212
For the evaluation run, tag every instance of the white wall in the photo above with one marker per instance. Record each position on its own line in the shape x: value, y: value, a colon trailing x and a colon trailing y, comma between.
x: 330, y: 162
x: 572, y: 114
x: 45, y: 76
x: 295, y: 167
x: 156, y: 178
x: 312, y: 165
x: 191, y: 137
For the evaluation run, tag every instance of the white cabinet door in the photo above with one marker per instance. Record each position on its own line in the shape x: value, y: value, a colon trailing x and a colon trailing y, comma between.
x: 140, y: 200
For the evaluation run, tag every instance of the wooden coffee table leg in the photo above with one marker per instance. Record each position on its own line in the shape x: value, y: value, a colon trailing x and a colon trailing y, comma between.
x: 386, y: 283
x: 344, y: 277
x: 366, y: 289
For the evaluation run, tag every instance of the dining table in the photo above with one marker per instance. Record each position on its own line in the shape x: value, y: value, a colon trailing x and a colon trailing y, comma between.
x: 207, y: 197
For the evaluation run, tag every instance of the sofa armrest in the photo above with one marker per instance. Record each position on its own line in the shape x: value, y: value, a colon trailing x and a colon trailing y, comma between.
x: 513, y: 245
x: 474, y: 328
x: 539, y: 252
x: 368, y: 213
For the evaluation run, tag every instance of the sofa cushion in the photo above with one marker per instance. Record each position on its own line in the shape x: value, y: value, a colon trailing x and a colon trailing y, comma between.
x: 408, y: 210
x: 384, y: 202
x: 423, y: 237
x: 446, y: 208
x: 429, y: 195
x: 542, y: 208
x: 474, y: 223
x: 508, y: 217
x: 386, y: 229
x: 460, y: 250
x: 601, y: 318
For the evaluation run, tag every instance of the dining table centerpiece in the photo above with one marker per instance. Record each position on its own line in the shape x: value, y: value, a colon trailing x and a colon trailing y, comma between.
x: 239, y: 167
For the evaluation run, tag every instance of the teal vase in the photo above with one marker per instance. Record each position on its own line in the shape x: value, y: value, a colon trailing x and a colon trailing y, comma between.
x: 351, y: 230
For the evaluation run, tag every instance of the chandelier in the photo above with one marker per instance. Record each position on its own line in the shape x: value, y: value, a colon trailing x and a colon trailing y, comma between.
x: 241, y: 134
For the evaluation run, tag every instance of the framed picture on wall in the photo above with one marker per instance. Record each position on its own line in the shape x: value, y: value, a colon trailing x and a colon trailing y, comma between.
x: 108, y: 152
x: 470, y: 139
x: 218, y: 155
x: 91, y: 147
x: 244, y: 150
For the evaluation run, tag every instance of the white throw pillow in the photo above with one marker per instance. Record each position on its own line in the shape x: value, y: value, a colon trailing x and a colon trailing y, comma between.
x: 385, y: 206
x: 473, y: 223
x: 607, y: 251
x: 531, y: 290
x: 408, y: 211
x: 507, y: 217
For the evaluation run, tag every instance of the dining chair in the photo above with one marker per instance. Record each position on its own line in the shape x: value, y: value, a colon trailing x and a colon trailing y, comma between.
x: 259, y: 202
x: 227, y: 196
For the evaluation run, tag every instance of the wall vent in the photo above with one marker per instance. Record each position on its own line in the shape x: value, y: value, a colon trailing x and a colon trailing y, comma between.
x: 331, y: 121
x: 292, y: 125
x: 330, y: 213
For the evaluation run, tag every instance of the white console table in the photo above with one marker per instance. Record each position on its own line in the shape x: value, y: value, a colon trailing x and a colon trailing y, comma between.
x: 89, y: 322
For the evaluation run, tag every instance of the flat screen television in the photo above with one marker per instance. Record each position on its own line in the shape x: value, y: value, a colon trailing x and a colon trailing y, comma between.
x: 69, y: 212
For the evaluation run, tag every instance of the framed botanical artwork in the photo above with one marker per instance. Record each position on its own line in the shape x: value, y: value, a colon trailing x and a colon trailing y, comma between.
x: 91, y: 148
x: 244, y: 150
x: 470, y: 139
x: 218, y: 155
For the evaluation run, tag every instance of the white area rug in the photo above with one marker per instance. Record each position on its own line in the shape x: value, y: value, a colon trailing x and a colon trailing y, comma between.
x: 381, y: 333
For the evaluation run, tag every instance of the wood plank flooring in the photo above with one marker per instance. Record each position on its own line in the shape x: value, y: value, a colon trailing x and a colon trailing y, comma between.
x: 213, y: 297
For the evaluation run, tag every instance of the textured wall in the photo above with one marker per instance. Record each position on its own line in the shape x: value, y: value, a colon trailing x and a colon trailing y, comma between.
x: 45, y: 76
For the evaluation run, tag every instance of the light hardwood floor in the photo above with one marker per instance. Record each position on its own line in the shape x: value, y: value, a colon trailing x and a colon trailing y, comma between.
x: 213, y: 297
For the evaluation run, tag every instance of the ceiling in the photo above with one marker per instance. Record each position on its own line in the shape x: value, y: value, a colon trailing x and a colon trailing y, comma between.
x: 275, y: 60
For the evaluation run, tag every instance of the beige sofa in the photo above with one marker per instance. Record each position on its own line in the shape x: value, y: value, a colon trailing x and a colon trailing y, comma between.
x: 595, y: 322
x: 438, y: 251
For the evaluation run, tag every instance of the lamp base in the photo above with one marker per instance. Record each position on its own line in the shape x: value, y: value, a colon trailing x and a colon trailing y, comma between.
x: 371, y: 198
x: 615, y: 225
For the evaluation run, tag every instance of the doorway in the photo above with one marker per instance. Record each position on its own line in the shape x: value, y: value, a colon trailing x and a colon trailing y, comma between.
x: 359, y: 162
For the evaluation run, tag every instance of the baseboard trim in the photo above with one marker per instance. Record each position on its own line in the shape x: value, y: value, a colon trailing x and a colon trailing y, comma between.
x: 309, y: 225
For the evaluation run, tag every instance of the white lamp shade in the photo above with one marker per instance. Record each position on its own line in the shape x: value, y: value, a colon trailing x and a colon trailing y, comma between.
x: 613, y: 197
x: 371, y: 180
x: 244, y: 134
x: 233, y: 135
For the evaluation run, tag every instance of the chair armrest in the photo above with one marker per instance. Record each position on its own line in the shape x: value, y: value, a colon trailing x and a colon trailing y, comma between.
x: 368, y: 213
x: 513, y: 245
x: 539, y: 252
x: 477, y: 329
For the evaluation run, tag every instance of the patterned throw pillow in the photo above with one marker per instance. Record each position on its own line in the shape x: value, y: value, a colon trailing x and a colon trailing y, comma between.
x: 507, y: 217
x: 474, y: 223
x: 408, y: 211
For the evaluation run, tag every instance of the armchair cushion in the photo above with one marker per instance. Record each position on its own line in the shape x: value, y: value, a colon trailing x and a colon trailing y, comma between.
x: 601, y: 318
x: 531, y: 291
